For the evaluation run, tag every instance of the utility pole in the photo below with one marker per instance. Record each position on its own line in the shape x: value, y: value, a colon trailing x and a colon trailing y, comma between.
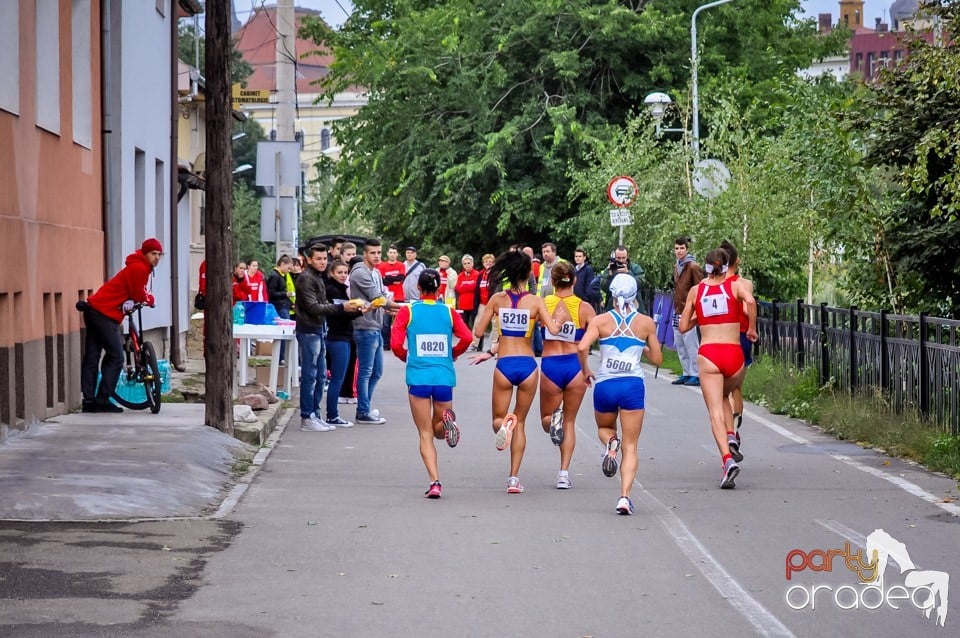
x: 219, y: 351
x: 286, y: 106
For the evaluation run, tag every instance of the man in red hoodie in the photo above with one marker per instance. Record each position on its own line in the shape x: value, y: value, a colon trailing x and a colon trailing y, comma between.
x: 102, y: 314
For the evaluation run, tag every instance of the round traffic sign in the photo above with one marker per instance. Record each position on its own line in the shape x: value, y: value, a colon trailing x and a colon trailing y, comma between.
x: 622, y: 191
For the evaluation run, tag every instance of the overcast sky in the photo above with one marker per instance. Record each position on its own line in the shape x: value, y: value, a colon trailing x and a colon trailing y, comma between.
x: 335, y: 11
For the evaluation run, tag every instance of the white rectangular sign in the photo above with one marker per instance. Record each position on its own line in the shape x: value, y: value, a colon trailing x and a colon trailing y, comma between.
x: 620, y: 217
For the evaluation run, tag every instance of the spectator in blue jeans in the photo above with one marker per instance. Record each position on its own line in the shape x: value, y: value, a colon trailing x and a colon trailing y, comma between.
x: 339, y: 340
x: 278, y: 295
x: 312, y: 310
x: 366, y: 284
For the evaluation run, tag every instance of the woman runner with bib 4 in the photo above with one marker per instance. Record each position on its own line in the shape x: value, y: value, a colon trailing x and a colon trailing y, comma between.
x: 716, y: 304
x: 422, y: 335
x: 561, y: 383
x: 625, y: 336
x: 517, y: 311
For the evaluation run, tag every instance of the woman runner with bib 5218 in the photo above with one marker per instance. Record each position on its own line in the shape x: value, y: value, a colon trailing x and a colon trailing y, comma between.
x: 625, y: 336
x: 716, y: 305
x: 517, y: 311
x: 422, y: 335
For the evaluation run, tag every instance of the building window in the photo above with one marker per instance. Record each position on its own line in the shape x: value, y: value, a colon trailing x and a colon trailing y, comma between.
x: 48, y: 65
x: 10, y: 58
x: 324, y: 139
x: 139, y: 193
x: 82, y: 98
x: 160, y: 190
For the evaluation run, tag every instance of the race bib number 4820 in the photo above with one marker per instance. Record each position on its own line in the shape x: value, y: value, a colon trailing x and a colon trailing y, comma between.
x: 432, y: 345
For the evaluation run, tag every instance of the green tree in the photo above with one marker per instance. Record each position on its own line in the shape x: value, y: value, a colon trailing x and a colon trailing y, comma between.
x: 479, y: 110
x: 911, y: 126
x: 240, y: 69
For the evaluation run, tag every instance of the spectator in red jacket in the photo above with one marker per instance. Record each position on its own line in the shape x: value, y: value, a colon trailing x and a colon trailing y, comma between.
x: 393, y: 273
x: 255, y: 282
x: 483, y: 294
x: 467, y: 289
x: 103, y: 312
x: 241, y: 291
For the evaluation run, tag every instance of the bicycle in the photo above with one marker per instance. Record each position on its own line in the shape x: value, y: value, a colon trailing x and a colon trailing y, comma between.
x: 140, y: 363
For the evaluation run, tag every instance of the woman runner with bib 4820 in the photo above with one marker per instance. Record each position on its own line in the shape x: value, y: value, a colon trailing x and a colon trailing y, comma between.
x: 422, y: 335
x: 625, y: 336
x: 716, y: 304
x: 517, y: 311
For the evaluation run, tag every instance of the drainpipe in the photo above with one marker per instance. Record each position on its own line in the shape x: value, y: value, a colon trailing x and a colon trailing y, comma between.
x: 176, y: 357
x: 106, y: 87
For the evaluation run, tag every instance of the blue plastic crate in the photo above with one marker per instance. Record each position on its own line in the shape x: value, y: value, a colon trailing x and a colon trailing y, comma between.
x: 258, y: 313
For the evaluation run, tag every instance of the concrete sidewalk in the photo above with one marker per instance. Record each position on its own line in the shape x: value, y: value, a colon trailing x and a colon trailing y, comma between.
x: 120, y: 466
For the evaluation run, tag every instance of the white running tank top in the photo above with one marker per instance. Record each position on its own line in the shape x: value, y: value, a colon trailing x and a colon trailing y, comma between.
x: 620, y: 353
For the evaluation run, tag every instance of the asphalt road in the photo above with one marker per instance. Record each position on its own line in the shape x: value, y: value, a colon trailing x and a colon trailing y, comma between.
x: 334, y: 538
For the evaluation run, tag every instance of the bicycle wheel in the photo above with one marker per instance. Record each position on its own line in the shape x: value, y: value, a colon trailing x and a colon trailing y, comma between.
x: 152, y: 382
x: 127, y: 393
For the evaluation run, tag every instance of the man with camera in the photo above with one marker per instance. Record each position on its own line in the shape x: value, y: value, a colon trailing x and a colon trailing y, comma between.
x: 620, y: 264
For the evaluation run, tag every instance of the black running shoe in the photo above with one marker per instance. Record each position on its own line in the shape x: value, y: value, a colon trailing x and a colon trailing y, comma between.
x: 610, y: 464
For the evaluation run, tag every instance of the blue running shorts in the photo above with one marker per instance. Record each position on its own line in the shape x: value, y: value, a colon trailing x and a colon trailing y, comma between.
x: 561, y: 368
x: 441, y: 393
x: 611, y: 395
x: 516, y: 369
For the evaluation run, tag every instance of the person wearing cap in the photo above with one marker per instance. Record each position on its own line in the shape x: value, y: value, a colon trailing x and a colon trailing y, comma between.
x: 103, y: 313
x: 422, y: 336
x: 412, y: 267
x: 717, y: 304
x: 448, y: 281
x: 625, y: 335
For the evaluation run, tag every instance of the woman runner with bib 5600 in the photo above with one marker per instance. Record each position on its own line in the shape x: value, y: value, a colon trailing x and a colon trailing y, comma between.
x: 625, y: 336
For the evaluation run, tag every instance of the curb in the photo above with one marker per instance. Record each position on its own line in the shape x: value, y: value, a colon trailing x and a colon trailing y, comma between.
x: 237, y: 491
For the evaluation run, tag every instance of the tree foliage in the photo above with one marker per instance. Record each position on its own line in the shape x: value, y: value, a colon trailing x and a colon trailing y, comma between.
x: 911, y: 126
x: 479, y: 110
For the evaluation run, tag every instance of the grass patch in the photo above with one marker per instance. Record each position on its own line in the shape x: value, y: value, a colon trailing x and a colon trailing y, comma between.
x: 671, y: 361
x: 174, y: 397
x: 865, y: 418
x: 194, y: 380
x: 241, y: 467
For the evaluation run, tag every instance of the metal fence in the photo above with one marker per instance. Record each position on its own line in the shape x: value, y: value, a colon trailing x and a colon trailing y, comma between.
x: 915, y: 360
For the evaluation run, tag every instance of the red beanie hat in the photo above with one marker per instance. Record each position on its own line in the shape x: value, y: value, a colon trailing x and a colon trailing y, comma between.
x: 150, y: 245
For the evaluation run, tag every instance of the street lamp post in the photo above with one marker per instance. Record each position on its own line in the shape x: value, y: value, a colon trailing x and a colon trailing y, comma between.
x: 694, y: 63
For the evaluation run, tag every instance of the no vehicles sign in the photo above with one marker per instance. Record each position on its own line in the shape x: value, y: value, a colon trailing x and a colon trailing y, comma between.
x: 622, y: 191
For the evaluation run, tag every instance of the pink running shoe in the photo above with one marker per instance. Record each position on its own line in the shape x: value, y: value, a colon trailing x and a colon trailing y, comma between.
x: 513, y: 485
x: 505, y: 433
x: 434, y: 490
x: 451, y: 433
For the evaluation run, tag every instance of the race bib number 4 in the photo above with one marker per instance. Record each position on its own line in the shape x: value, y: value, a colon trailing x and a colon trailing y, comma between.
x: 432, y: 345
x: 567, y: 332
x: 514, y: 319
x: 714, y: 305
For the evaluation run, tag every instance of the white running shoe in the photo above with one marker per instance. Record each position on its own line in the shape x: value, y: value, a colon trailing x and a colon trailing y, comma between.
x: 563, y: 481
x: 624, y: 506
x: 505, y: 433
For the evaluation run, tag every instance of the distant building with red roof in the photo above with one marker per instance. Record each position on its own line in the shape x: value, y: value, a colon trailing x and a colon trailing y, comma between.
x: 257, y: 42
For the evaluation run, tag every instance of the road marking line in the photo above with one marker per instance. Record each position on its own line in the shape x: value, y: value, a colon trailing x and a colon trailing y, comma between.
x: 905, y: 485
x: 854, y: 536
x: 762, y: 620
